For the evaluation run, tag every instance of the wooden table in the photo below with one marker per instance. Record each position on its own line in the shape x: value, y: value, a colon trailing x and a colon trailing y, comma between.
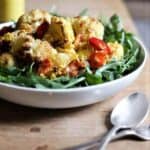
x: 23, y: 128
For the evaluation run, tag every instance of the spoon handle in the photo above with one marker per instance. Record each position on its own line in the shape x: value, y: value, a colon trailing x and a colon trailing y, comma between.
x: 96, y: 142
x: 124, y: 133
x: 107, y: 138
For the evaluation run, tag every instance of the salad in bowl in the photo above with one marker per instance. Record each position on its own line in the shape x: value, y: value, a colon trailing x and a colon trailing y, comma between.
x: 47, y: 53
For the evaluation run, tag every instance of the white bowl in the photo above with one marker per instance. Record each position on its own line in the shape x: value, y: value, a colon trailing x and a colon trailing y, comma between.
x: 68, y: 98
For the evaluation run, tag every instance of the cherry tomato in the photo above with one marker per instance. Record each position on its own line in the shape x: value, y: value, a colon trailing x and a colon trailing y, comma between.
x: 97, y: 59
x: 99, y: 44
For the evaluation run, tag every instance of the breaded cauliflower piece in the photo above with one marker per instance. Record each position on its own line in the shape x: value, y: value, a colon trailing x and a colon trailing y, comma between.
x: 26, y: 48
x: 7, y: 60
x: 64, y: 57
x: 84, y: 54
x: 117, y: 50
x: 60, y: 32
x: 8, y: 37
x: 32, y: 20
x: 59, y: 63
x: 88, y: 26
x: 7, y: 40
x: 84, y: 28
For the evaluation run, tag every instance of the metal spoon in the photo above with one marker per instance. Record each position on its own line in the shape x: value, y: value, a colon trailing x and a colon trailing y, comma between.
x: 130, y: 112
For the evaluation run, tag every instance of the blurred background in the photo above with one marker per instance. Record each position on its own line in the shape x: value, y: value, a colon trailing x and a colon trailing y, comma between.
x: 140, y: 11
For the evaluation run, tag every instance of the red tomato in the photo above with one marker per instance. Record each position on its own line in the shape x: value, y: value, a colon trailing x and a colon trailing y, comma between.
x: 74, y: 67
x: 97, y: 59
x: 99, y: 44
x: 44, y: 67
x: 41, y: 30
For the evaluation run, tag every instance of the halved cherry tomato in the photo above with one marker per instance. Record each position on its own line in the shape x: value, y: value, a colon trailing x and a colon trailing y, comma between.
x: 97, y: 59
x: 99, y: 44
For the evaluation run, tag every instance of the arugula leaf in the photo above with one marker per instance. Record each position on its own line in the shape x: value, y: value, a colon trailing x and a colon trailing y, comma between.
x: 108, y: 75
x: 74, y: 82
x: 92, y: 78
x: 11, y: 70
x: 116, y: 23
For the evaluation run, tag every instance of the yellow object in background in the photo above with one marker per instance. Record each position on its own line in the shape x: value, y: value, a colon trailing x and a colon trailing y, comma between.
x: 11, y: 9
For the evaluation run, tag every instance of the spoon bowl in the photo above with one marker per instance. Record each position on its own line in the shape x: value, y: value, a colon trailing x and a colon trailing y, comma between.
x: 131, y: 111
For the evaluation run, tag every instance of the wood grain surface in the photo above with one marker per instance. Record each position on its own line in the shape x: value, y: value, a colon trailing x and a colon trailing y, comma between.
x: 24, y: 128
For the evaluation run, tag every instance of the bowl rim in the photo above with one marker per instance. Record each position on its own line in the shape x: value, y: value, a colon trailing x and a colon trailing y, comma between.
x: 76, y: 89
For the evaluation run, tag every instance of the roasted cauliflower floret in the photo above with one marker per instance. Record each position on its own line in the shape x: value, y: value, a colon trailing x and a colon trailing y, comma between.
x: 42, y: 50
x: 32, y: 20
x: 26, y: 48
x: 88, y: 26
x: 8, y: 37
x: 60, y: 32
x: 7, y: 60
x: 117, y: 50
x: 64, y: 58
x: 58, y: 63
x: 84, y: 28
x: 12, y: 36
x: 7, y: 40
x: 84, y: 54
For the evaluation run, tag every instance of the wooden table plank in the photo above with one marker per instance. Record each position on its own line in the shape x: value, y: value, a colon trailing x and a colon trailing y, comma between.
x: 23, y: 128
